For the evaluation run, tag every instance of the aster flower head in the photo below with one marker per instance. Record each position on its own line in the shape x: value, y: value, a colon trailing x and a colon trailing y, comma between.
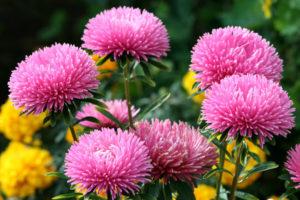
x: 248, y: 105
x: 52, y: 77
x: 118, y: 108
x: 293, y: 165
x: 108, y: 160
x: 126, y: 30
x: 233, y: 50
x: 177, y: 150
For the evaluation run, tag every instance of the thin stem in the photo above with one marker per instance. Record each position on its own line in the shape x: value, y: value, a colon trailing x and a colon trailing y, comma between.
x: 74, y: 136
x: 221, y: 165
x: 127, y: 93
x: 236, y: 173
x: 109, y: 196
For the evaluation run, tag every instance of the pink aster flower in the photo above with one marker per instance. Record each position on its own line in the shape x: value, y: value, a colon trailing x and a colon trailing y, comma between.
x: 177, y: 150
x: 126, y: 30
x: 233, y: 50
x: 108, y: 160
x: 52, y: 77
x: 293, y: 165
x: 118, y: 108
x: 248, y: 105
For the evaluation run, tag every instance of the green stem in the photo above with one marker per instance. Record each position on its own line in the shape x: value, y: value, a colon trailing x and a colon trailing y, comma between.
x: 74, y: 136
x: 236, y: 173
x: 221, y: 165
x: 127, y: 93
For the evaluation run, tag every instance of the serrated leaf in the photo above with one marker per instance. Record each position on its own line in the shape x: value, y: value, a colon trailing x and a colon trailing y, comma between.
x: 57, y: 174
x: 257, y: 169
x: 153, y: 106
x: 157, y: 64
x: 67, y: 196
x: 245, y: 195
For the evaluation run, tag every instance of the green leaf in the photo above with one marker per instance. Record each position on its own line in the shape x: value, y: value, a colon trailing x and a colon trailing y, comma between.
x: 95, y: 102
x: 165, y: 193
x: 185, y: 191
x: 66, y: 115
x: 152, y: 188
x: 96, y: 94
x: 257, y: 169
x: 245, y: 196
x: 57, y: 174
x: 89, y: 118
x: 67, y: 196
x: 110, y: 116
x: 146, y: 70
x: 145, y: 79
x: 159, y: 65
x: 101, y: 61
x: 153, y: 106
x: 254, y: 156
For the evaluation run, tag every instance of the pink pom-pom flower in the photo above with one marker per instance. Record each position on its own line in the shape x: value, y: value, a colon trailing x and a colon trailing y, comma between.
x: 108, y: 160
x: 178, y: 151
x: 248, y: 105
x: 233, y: 50
x: 52, y: 77
x: 118, y: 108
x: 293, y: 165
x: 126, y: 30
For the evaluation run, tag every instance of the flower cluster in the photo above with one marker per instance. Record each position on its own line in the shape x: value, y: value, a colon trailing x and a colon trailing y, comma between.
x: 233, y: 50
x: 187, y: 154
x: 52, y: 77
x: 293, y: 165
x: 23, y: 170
x: 16, y: 127
x: 128, y: 31
x: 248, y: 105
x: 108, y: 160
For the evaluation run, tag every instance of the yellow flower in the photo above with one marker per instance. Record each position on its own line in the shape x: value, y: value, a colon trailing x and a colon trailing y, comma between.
x: 16, y: 127
x: 266, y: 8
x: 275, y: 198
x: 23, y: 169
x: 227, y: 178
x: 77, y: 129
x: 187, y: 83
x: 108, y: 65
x: 204, y: 192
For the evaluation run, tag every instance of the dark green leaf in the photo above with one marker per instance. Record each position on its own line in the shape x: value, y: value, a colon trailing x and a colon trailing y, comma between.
x: 185, y: 191
x: 258, y: 168
x: 90, y: 119
x: 245, y: 196
x: 146, y: 70
x: 254, y: 156
x: 110, y: 116
x: 145, y: 79
x: 157, y: 64
x: 156, y: 103
x: 96, y: 94
x: 101, y: 61
x: 95, y: 102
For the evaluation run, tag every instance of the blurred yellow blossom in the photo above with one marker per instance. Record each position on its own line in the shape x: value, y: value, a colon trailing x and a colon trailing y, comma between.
x: 227, y: 178
x: 266, y: 7
x: 77, y: 129
x: 16, y: 127
x: 187, y: 82
x: 204, y: 192
x: 23, y: 169
x: 108, y: 65
x: 274, y: 197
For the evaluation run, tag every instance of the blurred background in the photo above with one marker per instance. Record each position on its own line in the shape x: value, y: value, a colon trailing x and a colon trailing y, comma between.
x: 28, y: 25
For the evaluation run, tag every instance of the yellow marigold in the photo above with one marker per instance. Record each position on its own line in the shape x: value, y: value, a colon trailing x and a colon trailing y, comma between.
x: 108, y: 65
x: 23, y: 169
x: 187, y: 83
x: 227, y: 178
x: 266, y: 8
x: 204, y: 192
x: 16, y: 127
x: 77, y: 129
